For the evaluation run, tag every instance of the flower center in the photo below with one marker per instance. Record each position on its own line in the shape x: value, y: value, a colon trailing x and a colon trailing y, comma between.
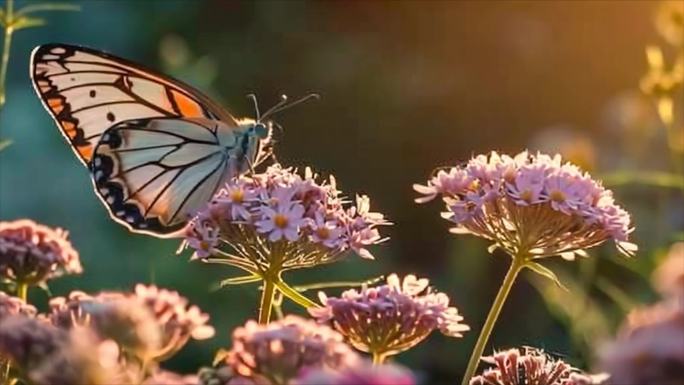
x: 204, y: 245
x: 323, y: 233
x: 280, y: 221
x: 526, y: 195
x: 237, y: 196
x: 557, y: 196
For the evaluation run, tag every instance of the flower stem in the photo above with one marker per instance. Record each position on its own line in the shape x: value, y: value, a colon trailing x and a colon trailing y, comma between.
x: 9, y: 30
x: 378, y: 358
x: 295, y: 295
x: 516, y: 266
x: 22, y: 291
x: 267, y: 296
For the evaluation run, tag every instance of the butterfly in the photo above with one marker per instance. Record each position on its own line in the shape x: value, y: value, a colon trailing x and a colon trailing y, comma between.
x: 157, y: 149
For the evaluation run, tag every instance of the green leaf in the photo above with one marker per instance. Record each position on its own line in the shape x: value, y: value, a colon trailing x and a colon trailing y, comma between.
x: 44, y: 286
x: 545, y: 272
x: 28, y: 22
x: 4, y: 143
x: 47, y: 7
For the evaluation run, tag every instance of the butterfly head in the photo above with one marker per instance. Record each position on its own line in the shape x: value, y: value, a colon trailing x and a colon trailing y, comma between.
x: 260, y: 130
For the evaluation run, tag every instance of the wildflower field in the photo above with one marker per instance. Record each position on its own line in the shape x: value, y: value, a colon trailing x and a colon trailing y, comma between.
x: 338, y: 193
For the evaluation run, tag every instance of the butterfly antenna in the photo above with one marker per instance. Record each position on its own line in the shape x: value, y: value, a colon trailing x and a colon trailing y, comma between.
x: 283, y: 104
x: 256, y: 106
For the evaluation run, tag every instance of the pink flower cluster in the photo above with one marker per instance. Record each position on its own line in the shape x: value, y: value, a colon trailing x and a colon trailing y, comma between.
x: 531, y: 366
x: 282, y: 350
x: 280, y: 206
x: 363, y: 374
x: 390, y: 318
x: 530, y: 201
x: 33, y: 253
x: 157, y: 322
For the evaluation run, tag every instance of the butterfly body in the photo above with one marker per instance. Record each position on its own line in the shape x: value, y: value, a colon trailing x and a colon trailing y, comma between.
x: 157, y: 149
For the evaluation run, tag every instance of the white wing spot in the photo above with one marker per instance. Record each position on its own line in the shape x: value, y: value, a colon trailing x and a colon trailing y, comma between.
x: 58, y: 50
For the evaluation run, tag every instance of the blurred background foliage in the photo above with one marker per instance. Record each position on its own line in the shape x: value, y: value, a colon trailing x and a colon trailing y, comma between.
x: 406, y: 87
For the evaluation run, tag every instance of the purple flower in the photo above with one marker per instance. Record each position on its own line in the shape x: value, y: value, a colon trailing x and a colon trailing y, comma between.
x: 297, y: 219
x: 530, y: 204
x: 10, y: 306
x: 46, y: 355
x: 327, y: 232
x: 530, y: 366
x: 280, y: 351
x: 112, y: 316
x: 390, y: 318
x: 178, y: 321
x: 31, y: 253
x: 649, y: 348
x: 282, y: 222
x: 364, y: 374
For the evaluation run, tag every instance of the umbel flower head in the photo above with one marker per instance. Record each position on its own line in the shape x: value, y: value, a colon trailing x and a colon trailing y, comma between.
x: 531, y: 366
x: 112, y: 315
x: 284, y: 219
x: 178, y: 321
x: 153, y: 323
x: 364, y: 374
x: 649, y: 348
x: 46, y: 355
x: 280, y: 351
x: 31, y: 253
x: 530, y: 204
x: 391, y: 318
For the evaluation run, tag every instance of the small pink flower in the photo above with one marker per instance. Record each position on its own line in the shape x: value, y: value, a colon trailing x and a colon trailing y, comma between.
x: 325, y: 231
x: 282, y: 222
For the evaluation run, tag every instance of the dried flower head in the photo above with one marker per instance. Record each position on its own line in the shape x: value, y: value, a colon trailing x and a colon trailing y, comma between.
x: 281, y: 218
x: 10, y: 305
x: 530, y: 204
x: 31, y: 253
x: 668, y: 278
x: 46, y: 355
x: 112, y: 315
x: 530, y: 366
x: 650, y: 347
x: 278, y: 352
x: 178, y: 321
x: 364, y: 374
x: 390, y: 318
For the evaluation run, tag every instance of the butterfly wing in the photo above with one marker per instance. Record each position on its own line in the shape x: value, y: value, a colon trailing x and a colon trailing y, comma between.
x: 87, y: 91
x: 152, y: 174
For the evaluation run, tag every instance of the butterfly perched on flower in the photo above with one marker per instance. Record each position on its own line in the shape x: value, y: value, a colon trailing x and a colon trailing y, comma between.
x: 157, y: 149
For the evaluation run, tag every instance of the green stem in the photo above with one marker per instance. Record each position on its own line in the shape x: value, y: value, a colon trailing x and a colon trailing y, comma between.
x: 295, y: 295
x: 267, y: 296
x: 9, y: 30
x: 22, y: 291
x: 378, y: 358
x: 516, y: 266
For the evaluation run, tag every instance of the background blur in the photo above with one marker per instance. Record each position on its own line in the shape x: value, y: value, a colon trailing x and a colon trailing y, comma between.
x: 406, y: 87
